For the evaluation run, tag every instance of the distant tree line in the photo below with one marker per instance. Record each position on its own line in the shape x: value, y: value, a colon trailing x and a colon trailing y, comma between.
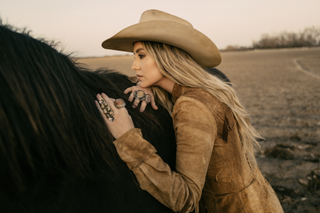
x: 237, y: 48
x: 309, y: 37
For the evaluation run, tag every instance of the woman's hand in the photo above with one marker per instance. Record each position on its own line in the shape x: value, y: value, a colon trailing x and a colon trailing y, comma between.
x: 147, y: 90
x: 122, y: 120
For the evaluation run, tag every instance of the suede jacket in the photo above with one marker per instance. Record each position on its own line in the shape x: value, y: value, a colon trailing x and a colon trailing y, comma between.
x: 212, y: 173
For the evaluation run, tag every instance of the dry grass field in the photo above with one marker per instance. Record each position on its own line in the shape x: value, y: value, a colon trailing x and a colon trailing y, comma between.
x: 281, y: 91
x: 119, y: 63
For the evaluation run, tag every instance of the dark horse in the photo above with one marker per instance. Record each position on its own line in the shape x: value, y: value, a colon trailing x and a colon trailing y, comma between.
x: 56, y: 153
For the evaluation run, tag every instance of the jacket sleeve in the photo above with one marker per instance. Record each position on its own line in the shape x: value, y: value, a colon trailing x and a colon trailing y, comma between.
x: 180, y: 190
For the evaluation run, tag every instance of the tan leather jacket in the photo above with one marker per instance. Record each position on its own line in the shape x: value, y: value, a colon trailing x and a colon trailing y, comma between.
x: 212, y: 171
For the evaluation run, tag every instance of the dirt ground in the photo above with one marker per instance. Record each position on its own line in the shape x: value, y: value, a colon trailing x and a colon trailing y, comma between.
x: 281, y: 91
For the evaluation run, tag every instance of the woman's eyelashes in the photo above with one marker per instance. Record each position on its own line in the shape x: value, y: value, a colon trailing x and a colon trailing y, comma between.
x: 141, y: 56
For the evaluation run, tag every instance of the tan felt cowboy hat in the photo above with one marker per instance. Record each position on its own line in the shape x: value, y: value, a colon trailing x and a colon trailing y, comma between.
x: 158, y: 26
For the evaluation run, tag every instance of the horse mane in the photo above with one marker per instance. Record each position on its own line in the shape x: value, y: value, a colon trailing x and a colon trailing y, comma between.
x: 214, y: 71
x: 49, y: 123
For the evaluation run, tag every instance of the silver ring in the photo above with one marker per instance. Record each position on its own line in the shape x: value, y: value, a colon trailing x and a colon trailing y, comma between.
x: 119, y: 103
x: 148, y: 98
x: 106, y: 109
x: 134, y: 79
x: 142, y: 96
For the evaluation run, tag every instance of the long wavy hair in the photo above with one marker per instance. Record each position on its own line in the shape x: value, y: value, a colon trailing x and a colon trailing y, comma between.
x: 49, y: 122
x: 177, y: 65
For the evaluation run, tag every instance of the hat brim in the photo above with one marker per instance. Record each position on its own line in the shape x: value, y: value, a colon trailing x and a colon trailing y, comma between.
x: 199, y: 46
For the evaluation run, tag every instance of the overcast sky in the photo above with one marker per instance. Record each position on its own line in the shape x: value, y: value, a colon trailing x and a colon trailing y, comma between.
x: 82, y: 25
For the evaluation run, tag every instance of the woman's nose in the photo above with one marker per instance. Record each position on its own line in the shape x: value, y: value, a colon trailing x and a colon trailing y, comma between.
x: 135, y: 65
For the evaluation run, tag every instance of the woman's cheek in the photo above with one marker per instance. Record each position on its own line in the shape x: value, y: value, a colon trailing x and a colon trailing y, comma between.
x: 143, y: 84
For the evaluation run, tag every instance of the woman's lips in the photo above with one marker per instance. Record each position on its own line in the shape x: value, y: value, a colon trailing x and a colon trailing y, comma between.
x: 139, y: 76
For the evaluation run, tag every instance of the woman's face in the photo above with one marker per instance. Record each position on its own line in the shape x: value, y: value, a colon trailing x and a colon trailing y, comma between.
x: 147, y: 71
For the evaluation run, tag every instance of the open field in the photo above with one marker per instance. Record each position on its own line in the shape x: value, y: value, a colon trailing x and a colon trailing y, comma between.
x: 119, y: 63
x: 281, y: 91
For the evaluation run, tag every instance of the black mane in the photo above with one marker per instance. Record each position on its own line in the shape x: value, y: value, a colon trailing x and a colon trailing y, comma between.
x: 56, y: 152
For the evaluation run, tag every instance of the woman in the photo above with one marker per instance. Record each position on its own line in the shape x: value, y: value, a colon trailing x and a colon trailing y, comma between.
x: 216, y: 170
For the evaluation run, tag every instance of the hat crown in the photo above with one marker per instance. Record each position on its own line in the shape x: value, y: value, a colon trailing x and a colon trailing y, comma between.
x: 157, y: 15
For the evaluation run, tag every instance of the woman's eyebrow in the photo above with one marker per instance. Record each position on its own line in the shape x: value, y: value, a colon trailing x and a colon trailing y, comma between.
x: 139, y: 50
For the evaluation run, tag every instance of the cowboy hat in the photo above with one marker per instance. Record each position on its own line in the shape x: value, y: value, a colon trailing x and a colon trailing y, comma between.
x: 158, y: 26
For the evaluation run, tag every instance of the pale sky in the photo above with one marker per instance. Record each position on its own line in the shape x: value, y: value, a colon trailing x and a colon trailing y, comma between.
x: 82, y: 25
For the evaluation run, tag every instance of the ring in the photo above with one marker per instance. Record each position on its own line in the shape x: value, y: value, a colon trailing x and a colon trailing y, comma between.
x: 106, y: 109
x: 134, y: 79
x: 148, y: 98
x: 119, y: 103
x: 142, y: 96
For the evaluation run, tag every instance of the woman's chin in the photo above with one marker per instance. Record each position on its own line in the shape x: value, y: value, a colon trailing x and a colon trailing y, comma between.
x: 144, y: 84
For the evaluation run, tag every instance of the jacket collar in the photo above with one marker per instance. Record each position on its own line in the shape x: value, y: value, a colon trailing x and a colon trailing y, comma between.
x: 177, y: 91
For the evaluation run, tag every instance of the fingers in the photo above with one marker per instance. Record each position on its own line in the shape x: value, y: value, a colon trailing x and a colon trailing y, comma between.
x: 143, y: 106
x: 101, y: 112
x: 129, y: 89
x: 135, y: 103
x: 117, y: 120
x: 108, y: 100
x: 131, y: 97
x: 153, y: 102
x: 107, y: 107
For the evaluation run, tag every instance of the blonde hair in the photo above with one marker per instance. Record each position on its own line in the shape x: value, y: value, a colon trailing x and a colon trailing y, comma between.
x: 177, y: 65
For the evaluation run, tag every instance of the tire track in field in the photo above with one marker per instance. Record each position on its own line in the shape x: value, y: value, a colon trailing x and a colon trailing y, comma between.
x: 304, y: 70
